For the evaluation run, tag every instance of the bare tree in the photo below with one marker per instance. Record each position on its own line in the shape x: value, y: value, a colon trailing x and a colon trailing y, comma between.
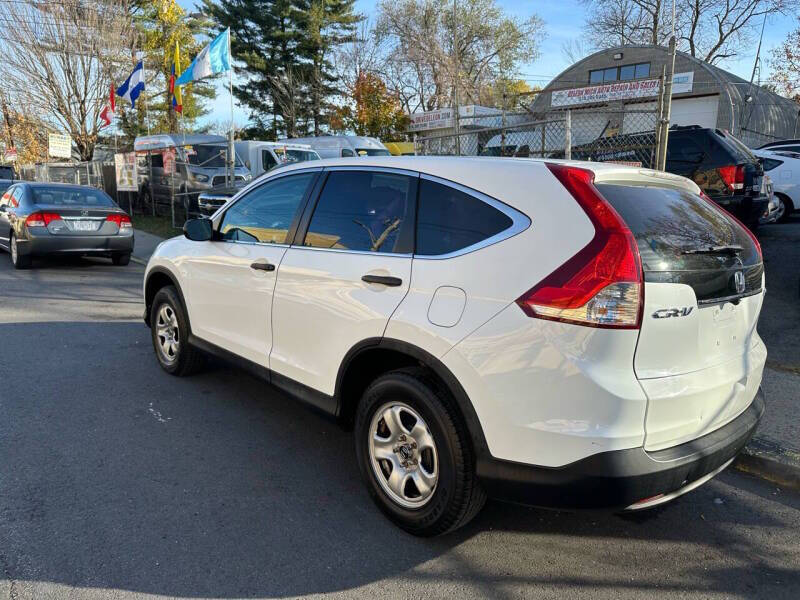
x: 287, y: 93
x: 59, y: 58
x: 712, y: 30
x: 419, y: 40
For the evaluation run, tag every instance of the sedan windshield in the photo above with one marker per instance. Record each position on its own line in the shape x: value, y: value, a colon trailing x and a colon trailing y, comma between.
x: 293, y: 156
x: 209, y: 156
x: 70, y: 196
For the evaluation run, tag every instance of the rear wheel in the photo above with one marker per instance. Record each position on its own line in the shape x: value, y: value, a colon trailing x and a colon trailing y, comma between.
x: 414, y: 454
x: 121, y: 259
x: 169, y: 330
x: 19, y: 261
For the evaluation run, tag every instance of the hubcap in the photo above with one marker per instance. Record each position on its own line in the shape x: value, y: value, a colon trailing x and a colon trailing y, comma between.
x: 13, y: 249
x: 781, y: 210
x: 168, y: 335
x: 403, y: 455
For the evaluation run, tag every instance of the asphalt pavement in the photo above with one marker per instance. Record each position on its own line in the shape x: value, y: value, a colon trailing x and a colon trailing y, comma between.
x: 119, y: 481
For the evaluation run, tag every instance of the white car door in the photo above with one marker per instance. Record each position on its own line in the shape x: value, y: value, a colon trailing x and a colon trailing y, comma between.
x: 231, y: 280
x: 352, y: 270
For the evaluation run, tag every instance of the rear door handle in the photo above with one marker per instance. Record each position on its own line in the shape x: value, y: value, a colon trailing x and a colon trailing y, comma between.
x: 380, y: 279
x: 262, y: 266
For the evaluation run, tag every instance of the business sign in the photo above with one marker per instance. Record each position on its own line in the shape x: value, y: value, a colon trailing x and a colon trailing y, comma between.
x: 443, y: 118
x: 623, y: 90
x: 125, y: 167
x: 433, y: 119
x: 168, y: 157
x: 10, y: 155
x: 59, y: 146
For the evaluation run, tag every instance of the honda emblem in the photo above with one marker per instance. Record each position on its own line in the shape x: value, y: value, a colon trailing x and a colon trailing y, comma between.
x: 738, y: 280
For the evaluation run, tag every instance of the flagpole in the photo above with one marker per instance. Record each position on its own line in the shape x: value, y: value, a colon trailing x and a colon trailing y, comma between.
x: 232, y: 149
x: 144, y: 96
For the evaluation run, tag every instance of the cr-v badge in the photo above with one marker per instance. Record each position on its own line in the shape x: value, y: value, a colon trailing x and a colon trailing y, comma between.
x: 666, y: 313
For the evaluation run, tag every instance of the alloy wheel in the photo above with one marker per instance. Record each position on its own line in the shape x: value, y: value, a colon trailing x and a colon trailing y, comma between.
x: 403, y: 455
x: 13, y: 249
x: 168, y: 334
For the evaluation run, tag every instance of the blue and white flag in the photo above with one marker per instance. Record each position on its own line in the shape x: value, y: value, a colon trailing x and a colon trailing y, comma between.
x: 133, y: 86
x: 214, y: 58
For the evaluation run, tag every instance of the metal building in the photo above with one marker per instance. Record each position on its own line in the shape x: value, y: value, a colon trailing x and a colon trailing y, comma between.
x: 626, y: 78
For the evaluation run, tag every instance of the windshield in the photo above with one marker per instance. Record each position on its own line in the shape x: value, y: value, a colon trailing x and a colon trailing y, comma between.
x: 372, y: 152
x: 6, y: 172
x: 69, y: 196
x: 743, y: 153
x: 290, y: 155
x: 209, y: 156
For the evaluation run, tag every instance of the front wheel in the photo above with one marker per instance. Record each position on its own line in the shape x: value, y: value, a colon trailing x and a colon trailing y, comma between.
x: 169, y: 330
x: 414, y: 454
x: 785, y: 209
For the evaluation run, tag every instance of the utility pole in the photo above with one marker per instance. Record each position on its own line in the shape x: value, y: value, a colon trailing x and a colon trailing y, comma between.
x: 664, y: 137
x: 456, y: 68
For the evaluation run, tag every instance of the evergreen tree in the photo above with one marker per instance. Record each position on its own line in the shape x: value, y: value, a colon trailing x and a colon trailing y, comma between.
x: 284, y: 47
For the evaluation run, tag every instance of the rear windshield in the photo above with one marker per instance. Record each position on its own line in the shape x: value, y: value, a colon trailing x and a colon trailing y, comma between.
x: 685, y: 239
x: 743, y: 153
x: 66, y: 196
x: 290, y: 155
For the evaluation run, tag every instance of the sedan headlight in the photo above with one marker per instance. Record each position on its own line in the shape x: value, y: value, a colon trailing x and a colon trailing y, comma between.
x: 200, y: 177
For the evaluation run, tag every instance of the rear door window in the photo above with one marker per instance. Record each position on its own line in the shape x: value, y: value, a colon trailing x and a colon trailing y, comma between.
x: 683, y: 238
x: 367, y: 211
x: 449, y: 220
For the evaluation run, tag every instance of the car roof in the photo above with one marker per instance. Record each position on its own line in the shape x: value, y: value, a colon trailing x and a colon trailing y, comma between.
x: 490, y: 174
x: 64, y: 186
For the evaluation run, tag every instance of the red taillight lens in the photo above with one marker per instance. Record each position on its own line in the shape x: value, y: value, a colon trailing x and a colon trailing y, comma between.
x: 731, y: 216
x: 601, y: 285
x: 41, y: 219
x: 122, y: 221
x: 732, y: 176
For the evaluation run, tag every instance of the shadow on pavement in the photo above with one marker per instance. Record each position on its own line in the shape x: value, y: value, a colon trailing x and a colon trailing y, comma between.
x: 115, y: 475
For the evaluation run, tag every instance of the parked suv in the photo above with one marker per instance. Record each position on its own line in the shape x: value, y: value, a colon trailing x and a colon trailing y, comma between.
x: 560, y: 334
x: 723, y: 167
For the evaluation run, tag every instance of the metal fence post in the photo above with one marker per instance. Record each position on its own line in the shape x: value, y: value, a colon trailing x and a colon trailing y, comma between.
x: 150, y: 181
x: 172, y: 194
x: 568, y: 135
x: 544, y: 130
x: 659, y: 117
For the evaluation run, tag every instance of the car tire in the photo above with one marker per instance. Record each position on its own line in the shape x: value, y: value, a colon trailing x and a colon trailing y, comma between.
x: 422, y: 415
x: 121, y: 259
x: 788, y: 208
x: 19, y: 261
x: 169, y: 331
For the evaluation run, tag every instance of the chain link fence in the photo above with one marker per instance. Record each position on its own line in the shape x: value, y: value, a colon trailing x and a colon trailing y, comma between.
x: 79, y: 173
x: 601, y: 135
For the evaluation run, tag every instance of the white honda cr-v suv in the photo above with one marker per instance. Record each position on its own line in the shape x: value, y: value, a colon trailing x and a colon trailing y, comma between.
x: 563, y: 334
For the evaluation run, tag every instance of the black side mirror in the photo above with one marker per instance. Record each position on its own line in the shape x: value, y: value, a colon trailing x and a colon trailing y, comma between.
x: 198, y: 230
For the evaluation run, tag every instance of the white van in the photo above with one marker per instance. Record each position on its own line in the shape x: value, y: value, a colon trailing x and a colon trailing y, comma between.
x: 335, y: 146
x: 261, y: 157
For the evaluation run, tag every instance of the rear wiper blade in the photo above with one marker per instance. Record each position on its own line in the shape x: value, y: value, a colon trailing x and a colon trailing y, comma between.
x: 731, y: 249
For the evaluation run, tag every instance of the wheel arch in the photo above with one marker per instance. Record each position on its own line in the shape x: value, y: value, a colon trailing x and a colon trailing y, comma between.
x: 157, y: 278
x: 790, y: 204
x: 372, y: 357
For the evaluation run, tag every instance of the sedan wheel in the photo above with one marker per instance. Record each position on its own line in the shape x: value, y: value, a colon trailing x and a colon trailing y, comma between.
x: 781, y: 212
x: 19, y: 261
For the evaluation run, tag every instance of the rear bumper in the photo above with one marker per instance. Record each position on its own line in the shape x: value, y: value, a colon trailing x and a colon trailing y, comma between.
x: 618, y: 479
x: 748, y: 209
x: 73, y: 244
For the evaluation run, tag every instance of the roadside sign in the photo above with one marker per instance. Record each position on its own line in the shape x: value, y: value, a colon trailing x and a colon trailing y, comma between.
x: 125, y: 167
x: 169, y: 161
x: 10, y: 155
x: 59, y: 146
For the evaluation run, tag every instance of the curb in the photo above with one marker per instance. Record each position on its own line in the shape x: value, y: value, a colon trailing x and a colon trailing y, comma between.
x: 770, y: 461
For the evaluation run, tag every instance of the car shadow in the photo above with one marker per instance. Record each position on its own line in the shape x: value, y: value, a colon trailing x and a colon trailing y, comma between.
x: 117, y: 476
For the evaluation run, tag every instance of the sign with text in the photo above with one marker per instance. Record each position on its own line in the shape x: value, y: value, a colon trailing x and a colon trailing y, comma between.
x: 623, y: 90
x: 10, y: 155
x: 59, y: 146
x: 125, y: 167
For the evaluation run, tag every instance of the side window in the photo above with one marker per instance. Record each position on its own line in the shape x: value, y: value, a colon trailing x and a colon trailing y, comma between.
x: 770, y: 163
x: 364, y: 210
x: 158, y: 160
x: 347, y: 152
x: 267, y: 212
x: 683, y: 155
x: 449, y: 220
x: 16, y: 196
x: 268, y: 160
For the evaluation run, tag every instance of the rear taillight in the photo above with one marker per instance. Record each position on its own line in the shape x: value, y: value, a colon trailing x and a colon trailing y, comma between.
x: 601, y: 286
x: 41, y: 219
x: 732, y: 176
x: 122, y: 221
x: 733, y: 217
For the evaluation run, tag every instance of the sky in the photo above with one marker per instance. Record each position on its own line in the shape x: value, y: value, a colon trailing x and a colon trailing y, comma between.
x: 563, y: 22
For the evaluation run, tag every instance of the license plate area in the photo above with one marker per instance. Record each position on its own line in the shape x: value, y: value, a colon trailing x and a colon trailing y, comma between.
x: 83, y: 225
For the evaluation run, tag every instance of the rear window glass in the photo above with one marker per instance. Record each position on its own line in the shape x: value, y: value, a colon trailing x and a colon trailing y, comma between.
x: 372, y: 152
x: 67, y: 196
x: 450, y: 220
x: 739, y: 150
x: 675, y: 229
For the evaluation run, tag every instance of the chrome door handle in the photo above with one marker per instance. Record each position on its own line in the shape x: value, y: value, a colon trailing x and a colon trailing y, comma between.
x: 262, y: 266
x: 380, y: 279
